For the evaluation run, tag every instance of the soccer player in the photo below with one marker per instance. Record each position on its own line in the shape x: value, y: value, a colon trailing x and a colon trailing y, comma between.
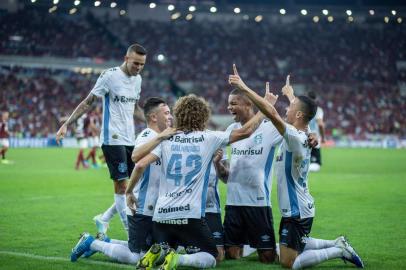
x: 141, y: 197
x: 81, y: 137
x: 93, y: 131
x: 317, y: 125
x: 296, y: 205
x: 4, y: 135
x: 120, y: 89
x: 186, y: 163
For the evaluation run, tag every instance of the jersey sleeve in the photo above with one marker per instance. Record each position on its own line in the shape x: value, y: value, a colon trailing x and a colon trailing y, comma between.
x: 319, y: 114
x: 157, y: 151
x: 100, y: 88
x: 272, y: 134
x: 220, y: 139
x: 295, y: 139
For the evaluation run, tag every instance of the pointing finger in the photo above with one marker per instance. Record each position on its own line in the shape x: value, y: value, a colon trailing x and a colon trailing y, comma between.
x: 288, y: 80
x: 267, y: 88
x: 235, y: 69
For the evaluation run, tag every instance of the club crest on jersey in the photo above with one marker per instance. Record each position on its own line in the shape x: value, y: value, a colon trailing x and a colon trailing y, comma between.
x: 258, y: 139
x: 122, y: 167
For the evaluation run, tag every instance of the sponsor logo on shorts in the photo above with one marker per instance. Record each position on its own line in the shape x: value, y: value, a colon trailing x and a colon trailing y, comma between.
x: 122, y: 167
x: 265, y: 238
x: 284, y: 232
x: 183, y: 221
x: 178, y: 194
x: 166, y: 210
x: 217, y: 234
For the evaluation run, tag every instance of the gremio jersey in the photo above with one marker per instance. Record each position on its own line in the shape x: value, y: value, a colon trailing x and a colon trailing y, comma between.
x: 120, y: 94
x: 292, y: 167
x: 314, y: 127
x: 147, y: 188
x: 186, y: 165
x: 250, y: 179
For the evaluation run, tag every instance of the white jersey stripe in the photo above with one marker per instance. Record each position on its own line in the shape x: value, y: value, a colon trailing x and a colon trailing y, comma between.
x: 144, y: 187
x: 267, y: 171
x: 106, y: 119
x: 205, y: 186
x: 294, y: 206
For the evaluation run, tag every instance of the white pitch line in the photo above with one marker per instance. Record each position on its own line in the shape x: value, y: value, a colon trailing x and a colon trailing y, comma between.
x: 61, y: 259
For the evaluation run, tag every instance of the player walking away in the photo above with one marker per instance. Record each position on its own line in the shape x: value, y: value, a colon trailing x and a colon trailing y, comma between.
x: 93, y: 131
x: 4, y: 137
x: 141, y: 198
x: 179, y: 217
x: 317, y: 125
x: 120, y: 89
x: 297, y: 250
x: 80, y: 133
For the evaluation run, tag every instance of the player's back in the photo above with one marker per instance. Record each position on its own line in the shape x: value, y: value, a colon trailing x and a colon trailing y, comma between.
x: 186, y: 164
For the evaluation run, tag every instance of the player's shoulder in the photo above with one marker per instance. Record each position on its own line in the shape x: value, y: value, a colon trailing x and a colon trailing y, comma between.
x: 147, y: 133
x: 109, y: 72
x: 233, y: 126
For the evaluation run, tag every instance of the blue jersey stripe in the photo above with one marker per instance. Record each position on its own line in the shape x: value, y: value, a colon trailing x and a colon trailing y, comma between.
x: 267, y: 171
x: 294, y: 206
x: 142, y: 195
x: 106, y: 119
x: 205, y: 186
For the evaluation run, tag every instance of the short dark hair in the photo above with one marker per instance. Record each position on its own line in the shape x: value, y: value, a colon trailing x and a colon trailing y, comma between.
x: 137, y: 48
x: 308, y: 106
x: 312, y: 95
x: 151, y: 104
x: 238, y: 92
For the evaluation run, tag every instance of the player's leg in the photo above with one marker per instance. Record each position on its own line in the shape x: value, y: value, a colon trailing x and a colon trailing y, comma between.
x: 261, y: 234
x: 214, y: 222
x: 234, y: 234
x: 315, y: 160
x: 139, y: 233
x: 4, y: 147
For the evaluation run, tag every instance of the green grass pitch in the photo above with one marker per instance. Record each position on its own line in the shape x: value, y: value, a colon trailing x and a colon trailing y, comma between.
x: 45, y: 205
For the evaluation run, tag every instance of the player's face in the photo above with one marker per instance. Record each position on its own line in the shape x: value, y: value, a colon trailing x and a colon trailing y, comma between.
x: 4, y: 116
x: 238, y: 108
x: 135, y: 63
x: 292, y: 111
x: 164, y: 117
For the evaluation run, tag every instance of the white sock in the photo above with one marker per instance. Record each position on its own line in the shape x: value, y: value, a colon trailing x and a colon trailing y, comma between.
x: 316, y: 256
x: 197, y: 260
x: 313, y: 243
x: 109, y: 214
x: 116, y: 251
x: 119, y: 199
x: 247, y: 250
x: 119, y: 242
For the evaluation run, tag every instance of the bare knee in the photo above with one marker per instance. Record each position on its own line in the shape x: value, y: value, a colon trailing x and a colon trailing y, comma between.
x: 286, y: 262
x: 220, y: 256
x: 267, y: 256
x: 120, y: 186
x: 233, y: 253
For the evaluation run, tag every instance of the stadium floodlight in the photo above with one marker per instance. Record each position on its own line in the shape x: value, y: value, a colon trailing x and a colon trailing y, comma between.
x: 316, y: 19
x: 171, y: 7
x: 393, y: 12
x: 33, y: 1
x: 349, y: 12
x: 330, y: 18
x: 72, y: 11
x: 189, y: 17
x: 160, y: 57
x: 113, y: 4
x: 152, y: 5
x: 97, y: 3
x: 371, y: 12
x: 192, y: 8
x: 175, y: 16
x: 386, y: 19
x: 122, y: 12
x: 325, y: 12
x: 56, y: 2
x: 282, y: 11
x: 304, y: 12
x: 350, y: 19
x: 258, y: 18
x: 213, y: 9
x: 237, y: 10
x: 399, y: 20
x: 76, y: 3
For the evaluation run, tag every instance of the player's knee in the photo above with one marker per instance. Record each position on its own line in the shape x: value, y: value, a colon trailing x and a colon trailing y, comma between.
x: 120, y: 187
x: 220, y: 254
x: 267, y: 256
x: 286, y: 262
x: 233, y: 253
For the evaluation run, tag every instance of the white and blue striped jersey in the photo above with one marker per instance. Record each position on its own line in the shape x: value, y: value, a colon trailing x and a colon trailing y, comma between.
x: 213, y: 198
x: 250, y: 178
x: 314, y: 126
x: 147, y: 188
x: 120, y: 94
x: 186, y: 166
x: 291, y: 168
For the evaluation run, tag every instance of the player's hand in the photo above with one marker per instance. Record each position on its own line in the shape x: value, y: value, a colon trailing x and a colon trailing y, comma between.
x: 287, y: 89
x: 167, y: 133
x: 235, y: 80
x: 270, y: 97
x: 218, y: 155
x: 61, y: 133
x: 131, y: 202
x: 312, y: 140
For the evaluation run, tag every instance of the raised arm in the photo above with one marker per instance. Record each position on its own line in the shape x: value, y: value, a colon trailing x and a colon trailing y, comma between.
x: 287, y: 90
x: 82, y: 108
x: 265, y: 107
x: 222, y: 170
x: 139, y: 113
x: 145, y: 149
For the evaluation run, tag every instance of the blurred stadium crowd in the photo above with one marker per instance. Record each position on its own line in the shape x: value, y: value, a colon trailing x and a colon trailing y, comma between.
x: 353, y: 67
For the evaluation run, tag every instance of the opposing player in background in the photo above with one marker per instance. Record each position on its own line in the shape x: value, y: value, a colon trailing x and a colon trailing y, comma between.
x: 297, y: 249
x: 317, y: 125
x: 93, y: 131
x: 142, y: 193
x: 179, y: 217
x: 81, y: 136
x: 4, y: 137
x: 120, y: 89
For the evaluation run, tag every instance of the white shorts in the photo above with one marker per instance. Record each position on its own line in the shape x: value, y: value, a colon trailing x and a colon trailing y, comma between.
x: 83, y: 143
x: 4, y: 142
x: 93, y: 141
